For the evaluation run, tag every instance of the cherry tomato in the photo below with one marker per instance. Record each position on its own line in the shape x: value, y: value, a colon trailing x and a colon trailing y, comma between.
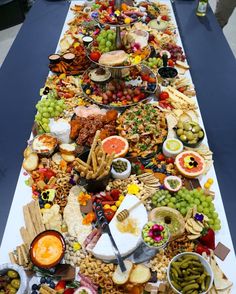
x: 165, y: 17
x: 181, y: 89
x: 160, y: 157
x: 109, y: 213
x: 170, y: 160
x: 163, y: 95
x: 95, y: 55
x: 145, y: 77
x: 151, y: 80
x: 171, y: 62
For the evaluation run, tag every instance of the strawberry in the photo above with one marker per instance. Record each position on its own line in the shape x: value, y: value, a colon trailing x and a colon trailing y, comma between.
x: 69, y: 291
x: 60, y: 286
x: 115, y: 193
x: 208, y: 238
x: 160, y: 157
x: 201, y: 248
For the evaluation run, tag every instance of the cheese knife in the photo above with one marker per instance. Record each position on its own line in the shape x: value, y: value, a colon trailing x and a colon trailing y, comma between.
x: 103, y: 223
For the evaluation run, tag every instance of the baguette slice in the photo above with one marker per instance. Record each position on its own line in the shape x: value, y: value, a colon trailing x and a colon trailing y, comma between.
x: 31, y: 162
x: 182, y: 64
x: 28, y: 151
x: 68, y: 149
x: 140, y: 274
x: 68, y: 158
x: 120, y: 278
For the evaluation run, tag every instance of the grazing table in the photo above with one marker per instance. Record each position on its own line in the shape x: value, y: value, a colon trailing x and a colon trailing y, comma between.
x: 213, y: 70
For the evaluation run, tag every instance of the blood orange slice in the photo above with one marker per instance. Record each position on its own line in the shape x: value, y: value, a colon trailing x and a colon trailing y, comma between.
x: 116, y: 144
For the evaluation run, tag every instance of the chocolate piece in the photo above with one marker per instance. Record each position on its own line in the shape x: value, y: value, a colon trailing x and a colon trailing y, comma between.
x: 148, y: 287
x: 87, y: 208
x: 162, y: 288
x: 221, y: 251
x: 65, y: 272
x: 191, y: 184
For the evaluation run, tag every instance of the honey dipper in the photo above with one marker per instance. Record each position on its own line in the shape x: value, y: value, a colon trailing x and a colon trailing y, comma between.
x: 123, y: 214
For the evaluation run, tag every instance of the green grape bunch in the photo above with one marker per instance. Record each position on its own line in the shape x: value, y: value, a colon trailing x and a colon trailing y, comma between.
x: 106, y: 41
x: 48, y: 107
x: 184, y: 199
x: 154, y: 62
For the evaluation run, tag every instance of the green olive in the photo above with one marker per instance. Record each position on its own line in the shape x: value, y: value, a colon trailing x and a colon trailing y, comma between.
x: 180, y: 132
x: 183, y: 138
x: 189, y: 135
x: 194, y: 141
x: 12, y: 274
x: 200, y: 134
x: 180, y: 125
x: 15, y: 283
x: 187, y: 127
x: 196, y: 129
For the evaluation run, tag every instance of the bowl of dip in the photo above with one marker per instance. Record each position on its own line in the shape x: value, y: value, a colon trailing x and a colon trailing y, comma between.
x: 44, y: 144
x: 172, y: 147
x: 47, y: 249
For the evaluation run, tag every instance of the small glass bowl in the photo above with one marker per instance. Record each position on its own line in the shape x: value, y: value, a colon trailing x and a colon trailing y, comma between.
x: 163, y: 244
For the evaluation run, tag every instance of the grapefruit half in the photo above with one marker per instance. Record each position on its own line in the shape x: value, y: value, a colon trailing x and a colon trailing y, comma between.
x: 190, y: 164
x: 116, y: 144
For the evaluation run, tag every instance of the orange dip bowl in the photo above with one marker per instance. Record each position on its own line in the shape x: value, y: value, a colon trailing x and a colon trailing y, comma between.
x: 47, y: 249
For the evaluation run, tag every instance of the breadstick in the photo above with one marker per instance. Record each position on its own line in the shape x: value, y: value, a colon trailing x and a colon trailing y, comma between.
x: 89, y: 175
x: 81, y: 162
x: 93, y: 146
x: 105, y: 173
x: 82, y: 174
x: 110, y: 158
x: 102, y: 164
x: 94, y: 162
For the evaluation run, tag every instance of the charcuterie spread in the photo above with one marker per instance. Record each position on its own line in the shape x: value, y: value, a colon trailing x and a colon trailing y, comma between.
x: 117, y: 192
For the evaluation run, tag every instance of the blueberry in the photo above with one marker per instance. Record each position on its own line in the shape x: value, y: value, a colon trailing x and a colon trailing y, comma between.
x: 52, y: 285
x: 43, y: 280
x: 34, y: 292
x: 34, y: 287
x: 40, y: 201
x: 48, y: 280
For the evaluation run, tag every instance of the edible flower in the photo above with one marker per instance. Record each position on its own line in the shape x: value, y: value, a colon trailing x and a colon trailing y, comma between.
x: 199, y: 217
x: 155, y: 232
x: 190, y: 162
x: 136, y: 47
x: 94, y: 14
x: 117, y: 12
x: 137, y: 59
x: 133, y: 189
x: 83, y: 198
x: 89, y: 218
x: 76, y: 246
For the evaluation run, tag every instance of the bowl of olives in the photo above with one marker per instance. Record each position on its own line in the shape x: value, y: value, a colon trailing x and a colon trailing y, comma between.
x: 190, y: 133
x: 13, y: 279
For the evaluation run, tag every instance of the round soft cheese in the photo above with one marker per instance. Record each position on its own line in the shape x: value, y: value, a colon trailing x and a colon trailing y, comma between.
x: 125, y: 242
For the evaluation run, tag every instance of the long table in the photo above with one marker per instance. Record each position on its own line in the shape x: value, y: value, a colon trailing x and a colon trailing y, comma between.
x: 23, y: 73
